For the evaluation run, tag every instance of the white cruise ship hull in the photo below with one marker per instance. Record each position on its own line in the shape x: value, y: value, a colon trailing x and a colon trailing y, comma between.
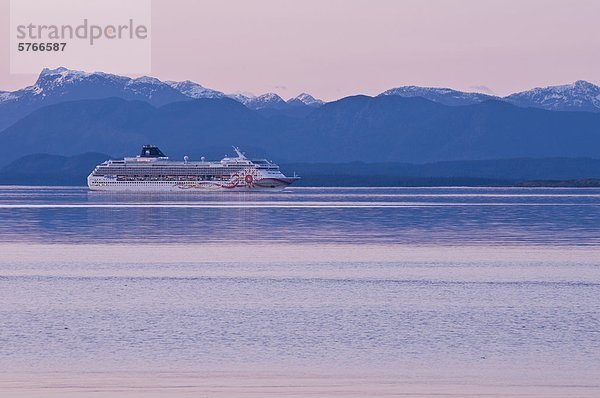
x: 102, y: 184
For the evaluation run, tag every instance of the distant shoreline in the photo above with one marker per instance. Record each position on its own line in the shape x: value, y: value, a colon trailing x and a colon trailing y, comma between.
x: 579, y: 183
x: 60, y: 170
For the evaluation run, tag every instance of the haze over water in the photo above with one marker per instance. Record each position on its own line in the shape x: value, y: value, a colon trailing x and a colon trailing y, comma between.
x: 323, y: 292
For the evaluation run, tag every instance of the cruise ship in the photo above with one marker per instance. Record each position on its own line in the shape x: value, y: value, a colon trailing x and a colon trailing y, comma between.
x: 152, y: 171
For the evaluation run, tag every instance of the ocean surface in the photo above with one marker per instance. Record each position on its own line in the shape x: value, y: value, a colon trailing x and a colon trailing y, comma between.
x: 306, y: 292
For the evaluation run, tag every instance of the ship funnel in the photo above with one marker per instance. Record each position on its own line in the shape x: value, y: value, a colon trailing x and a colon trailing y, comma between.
x: 151, y: 151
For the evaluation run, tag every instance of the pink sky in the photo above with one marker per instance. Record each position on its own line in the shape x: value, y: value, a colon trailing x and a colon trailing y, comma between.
x: 335, y: 48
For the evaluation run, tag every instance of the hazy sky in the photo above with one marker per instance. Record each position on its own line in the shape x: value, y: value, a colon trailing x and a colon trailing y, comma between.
x: 334, y: 48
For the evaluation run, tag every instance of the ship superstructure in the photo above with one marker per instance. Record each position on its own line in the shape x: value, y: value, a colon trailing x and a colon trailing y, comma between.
x: 152, y: 171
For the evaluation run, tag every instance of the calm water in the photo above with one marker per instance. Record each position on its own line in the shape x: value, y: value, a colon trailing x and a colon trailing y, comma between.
x: 500, y: 285
x: 448, y: 216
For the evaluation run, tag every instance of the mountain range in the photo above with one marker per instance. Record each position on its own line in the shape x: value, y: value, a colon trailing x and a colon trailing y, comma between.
x: 578, y: 96
x: 69, y: 113
x: 62, y: 84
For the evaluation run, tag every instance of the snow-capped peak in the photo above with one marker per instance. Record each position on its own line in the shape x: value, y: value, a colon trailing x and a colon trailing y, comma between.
x: 268, y: 100
x: 269, y: 97
x: 60, y: 69
x: 577, y: 86
x: 578, y: 96
x: 446, y: 96
x: 244, y: 98
x: 58, y: 81
x: 5, y: 96
x: 194, y: 90
x: 144, y: 80
x: 306, y: 99
x: 61, y: 76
